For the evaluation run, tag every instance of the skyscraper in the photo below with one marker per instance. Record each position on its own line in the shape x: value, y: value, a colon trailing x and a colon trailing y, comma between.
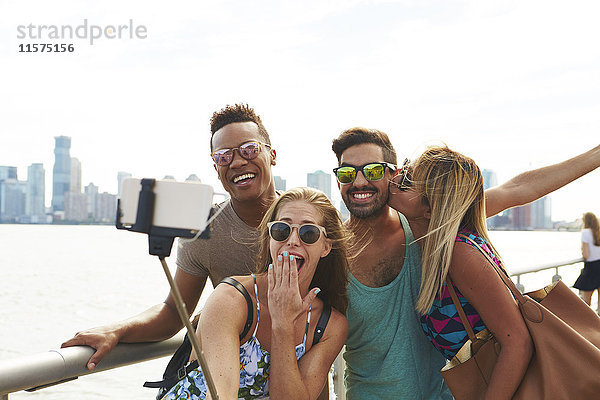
x: 541, y: 214
x: 121, y: 176
x: 319, y: 180
x: 35, y: 200
x: 520, y: 217
x: 12, y: 200
x: 76, y: 207
x: 61, y: 173
x: 75, y: 186
x: 106, y: 207
x: 490, y: 178
x: 280, y: 183
x: 91, y: 192
x: 6, y: 173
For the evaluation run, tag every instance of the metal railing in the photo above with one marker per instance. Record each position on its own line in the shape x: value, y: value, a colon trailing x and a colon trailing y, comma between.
x: 518, y: 272
x: 42, y: 370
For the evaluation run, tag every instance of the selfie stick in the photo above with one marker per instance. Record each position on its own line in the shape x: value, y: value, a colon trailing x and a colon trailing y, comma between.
x: 160, y: 242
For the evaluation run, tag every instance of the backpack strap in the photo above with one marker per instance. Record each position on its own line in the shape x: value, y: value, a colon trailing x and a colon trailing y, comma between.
x: 244, y: 292
x: 322, y: 323
x: 173, y: 374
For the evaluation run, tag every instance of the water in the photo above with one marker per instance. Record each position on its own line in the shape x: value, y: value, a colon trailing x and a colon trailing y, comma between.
x: 57, y: 280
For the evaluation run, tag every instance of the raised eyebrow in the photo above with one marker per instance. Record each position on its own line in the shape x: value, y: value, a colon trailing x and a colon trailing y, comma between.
x: 241, y: 144
x: 303, y: 222
x: 344, y: 164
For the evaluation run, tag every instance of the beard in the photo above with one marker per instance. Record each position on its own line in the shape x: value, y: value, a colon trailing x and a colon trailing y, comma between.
x: 364, y: 211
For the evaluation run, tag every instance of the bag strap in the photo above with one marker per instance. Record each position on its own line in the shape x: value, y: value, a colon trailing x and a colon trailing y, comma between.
x: 459, y: 309
x: 169, y: 382
x: 322, y: 323
x: 185, y: 348
x: 244, y: 292
x: 501, y: 273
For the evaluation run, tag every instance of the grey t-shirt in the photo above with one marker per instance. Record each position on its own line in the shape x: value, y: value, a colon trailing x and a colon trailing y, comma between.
x: 230, y: 250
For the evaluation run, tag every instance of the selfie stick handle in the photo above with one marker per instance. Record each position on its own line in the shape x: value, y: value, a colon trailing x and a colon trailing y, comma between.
x: 183, y: 314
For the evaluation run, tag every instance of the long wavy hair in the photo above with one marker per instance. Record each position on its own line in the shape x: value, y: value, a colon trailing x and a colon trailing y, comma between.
x: 591, y: 222
x: 452, y: 186
x: 331, y: 274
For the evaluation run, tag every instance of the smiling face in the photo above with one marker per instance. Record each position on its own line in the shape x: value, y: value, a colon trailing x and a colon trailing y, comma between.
x: 307, y: 255
x: 244, y: 180
x: 364, y: 198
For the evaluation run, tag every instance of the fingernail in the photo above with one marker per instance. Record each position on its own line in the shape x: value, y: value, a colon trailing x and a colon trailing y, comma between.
x: 317, y: 290
x: 285, y: 253
x: 279, y: 258
x: 291, y: 258
x: 270, y: 266
x: 91, y: 366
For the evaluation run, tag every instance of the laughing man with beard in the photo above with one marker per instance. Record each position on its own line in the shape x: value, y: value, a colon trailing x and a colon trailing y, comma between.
x: 387, y: 354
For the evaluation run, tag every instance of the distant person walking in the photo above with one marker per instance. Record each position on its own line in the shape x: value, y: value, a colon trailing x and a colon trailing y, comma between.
x: 589, y: 279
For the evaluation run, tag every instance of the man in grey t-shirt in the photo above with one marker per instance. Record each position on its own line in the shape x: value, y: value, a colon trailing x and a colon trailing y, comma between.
x: 230, y: 237
x: 241, y: 150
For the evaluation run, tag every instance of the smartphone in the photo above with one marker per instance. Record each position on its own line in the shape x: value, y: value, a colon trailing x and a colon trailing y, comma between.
x: 178, y: 206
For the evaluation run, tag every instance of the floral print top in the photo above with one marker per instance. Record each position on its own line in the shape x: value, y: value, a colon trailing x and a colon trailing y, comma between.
x: 255, y: 365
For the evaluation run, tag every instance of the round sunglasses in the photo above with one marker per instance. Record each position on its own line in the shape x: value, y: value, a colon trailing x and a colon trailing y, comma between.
x: 308, y: 233
x: 248, y: 150
x: 372, y: 171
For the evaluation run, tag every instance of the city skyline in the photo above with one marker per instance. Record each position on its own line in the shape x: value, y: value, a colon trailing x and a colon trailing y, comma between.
x: 23, y: 200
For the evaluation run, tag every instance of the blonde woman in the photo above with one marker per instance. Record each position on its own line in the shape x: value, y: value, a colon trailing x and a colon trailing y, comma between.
x: 589, y: 279
x: 303, y: 252
x: 441, y: 195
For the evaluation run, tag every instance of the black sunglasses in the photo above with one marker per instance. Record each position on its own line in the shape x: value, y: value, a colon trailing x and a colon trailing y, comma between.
x: 402, y: 181
x: 308, y: 233
x: 372, y: 171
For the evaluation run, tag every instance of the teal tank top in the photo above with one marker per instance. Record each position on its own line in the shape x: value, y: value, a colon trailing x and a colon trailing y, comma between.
x: 387, y: 355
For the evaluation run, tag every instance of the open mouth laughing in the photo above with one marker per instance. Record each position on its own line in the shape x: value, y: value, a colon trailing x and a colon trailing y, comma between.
x: 362, y: 195
x: 244, y: 179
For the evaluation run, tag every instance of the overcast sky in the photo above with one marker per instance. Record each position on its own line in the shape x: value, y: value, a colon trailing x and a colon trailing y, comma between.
x: 513, y: 84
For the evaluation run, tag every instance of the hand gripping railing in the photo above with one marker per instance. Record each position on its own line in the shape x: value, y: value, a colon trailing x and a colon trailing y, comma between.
x: 41, y: 370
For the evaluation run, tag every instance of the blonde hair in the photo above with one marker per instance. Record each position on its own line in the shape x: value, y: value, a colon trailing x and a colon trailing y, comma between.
x: 331, y: 275
x: 452, y: 186
x: 591, y: 222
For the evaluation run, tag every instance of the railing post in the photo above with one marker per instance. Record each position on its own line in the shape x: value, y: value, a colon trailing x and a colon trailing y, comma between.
x: 338, y: 377
x: 519, y: 285
x: 556, y: 277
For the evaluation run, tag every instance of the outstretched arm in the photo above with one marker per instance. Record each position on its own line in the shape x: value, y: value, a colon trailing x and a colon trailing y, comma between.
x: 532, y: 185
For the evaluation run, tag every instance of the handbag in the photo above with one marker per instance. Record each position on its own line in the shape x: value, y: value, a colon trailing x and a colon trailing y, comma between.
x: 566, y: 337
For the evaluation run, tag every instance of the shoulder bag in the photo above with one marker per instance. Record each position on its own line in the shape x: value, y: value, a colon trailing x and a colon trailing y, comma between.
x: 566, y: 335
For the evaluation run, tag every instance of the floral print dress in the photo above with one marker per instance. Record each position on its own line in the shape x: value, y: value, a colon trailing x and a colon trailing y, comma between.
x: 255, y: 365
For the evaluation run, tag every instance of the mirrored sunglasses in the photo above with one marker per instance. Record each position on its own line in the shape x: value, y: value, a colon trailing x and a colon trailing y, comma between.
x: 372, y: 171
x: 248, y: 150
x: 308, y: 233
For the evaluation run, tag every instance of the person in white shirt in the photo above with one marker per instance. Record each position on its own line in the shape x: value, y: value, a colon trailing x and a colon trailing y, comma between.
x: 589, y: 279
